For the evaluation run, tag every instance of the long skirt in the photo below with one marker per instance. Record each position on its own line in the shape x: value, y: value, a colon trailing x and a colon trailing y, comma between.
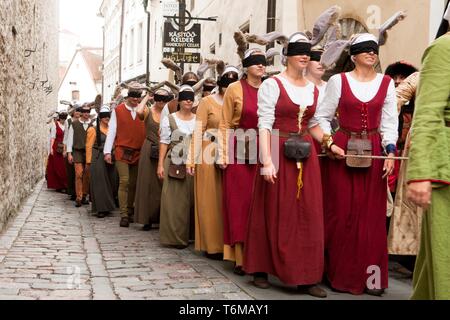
x: 355, y: 205
x: 103, y: 183
x: 148, y: 188
x: 70, y: 172
x: 432, y: 273
x: 406, y: 220
x: 208, y: 207
x: 56, y: 172
x: 177, y: 207
x: 285, y: 236
x: 238, y: 182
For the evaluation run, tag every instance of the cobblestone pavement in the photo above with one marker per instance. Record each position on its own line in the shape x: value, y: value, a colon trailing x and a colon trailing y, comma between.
x: 52, y: 250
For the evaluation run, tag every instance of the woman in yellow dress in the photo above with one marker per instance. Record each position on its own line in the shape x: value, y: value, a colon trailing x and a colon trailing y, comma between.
x: 208, y: 177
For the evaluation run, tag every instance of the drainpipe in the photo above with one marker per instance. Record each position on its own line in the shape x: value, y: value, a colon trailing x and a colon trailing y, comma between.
x: 120, y: 41
x: 147, y: 73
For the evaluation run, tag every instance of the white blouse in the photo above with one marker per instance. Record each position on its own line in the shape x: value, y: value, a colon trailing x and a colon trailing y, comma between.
x: 364, y: 91
x: 268, y: 95
x: 322, y: 89
x: 185, y: 127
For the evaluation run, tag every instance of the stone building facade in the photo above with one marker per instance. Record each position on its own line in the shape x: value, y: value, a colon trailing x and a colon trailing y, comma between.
x: 28, y: 91
x: 407, y: 41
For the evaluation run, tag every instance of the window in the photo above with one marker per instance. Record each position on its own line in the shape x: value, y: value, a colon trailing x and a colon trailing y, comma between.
x: 220, y: 39
x: 140, y: 43
x: 75, y: 95
x: 131, y: 48
x: 212, y: 48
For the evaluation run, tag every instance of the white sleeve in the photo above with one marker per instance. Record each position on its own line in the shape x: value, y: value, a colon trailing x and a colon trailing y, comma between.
x: 53, y: 131
x: 112, y: 131
x: 165, y: 112
x: 268, y: 95
x: 326, y: 110
x: 389, y: 117
x: 70, y: 140
x: 66, y: 132
x: 166, y: 132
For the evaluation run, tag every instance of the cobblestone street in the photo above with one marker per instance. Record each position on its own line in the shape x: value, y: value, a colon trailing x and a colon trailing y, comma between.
x: 52, y: 250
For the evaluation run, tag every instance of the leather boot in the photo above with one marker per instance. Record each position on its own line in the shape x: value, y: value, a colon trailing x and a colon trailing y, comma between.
x: 375, y: 292
x: 124, y: 223
x: 101, y: 215
x: 239, y: 271
x: 260, y: 280
x: 313, y: 290
x: 147, y: 227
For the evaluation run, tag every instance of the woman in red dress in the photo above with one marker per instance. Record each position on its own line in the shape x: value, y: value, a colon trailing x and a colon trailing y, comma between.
x: 285, y: 236
x: 355, y: 203
x: 56, y: 168
x: 239, y: 112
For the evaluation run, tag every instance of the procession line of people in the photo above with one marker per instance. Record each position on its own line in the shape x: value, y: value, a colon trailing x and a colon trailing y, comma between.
x: 237, y: 165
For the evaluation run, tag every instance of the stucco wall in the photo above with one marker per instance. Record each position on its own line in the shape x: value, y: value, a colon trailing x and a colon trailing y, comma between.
x: 407, y: 41
x: 24, y: 104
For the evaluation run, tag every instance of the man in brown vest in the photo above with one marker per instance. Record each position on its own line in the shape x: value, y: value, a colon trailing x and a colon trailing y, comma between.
x: 127, y: 135
x: 76, y: 153
x: 75, y: 114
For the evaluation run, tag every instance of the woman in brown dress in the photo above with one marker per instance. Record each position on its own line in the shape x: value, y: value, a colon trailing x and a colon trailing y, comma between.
x: 208, y: 178
x: 148, y: 189
x: 177, y: 197
x: 104, y: 176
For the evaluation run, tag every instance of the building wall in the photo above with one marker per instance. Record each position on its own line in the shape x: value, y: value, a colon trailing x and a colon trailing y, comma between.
x: 231, y: 15
x: 24, y: 105
x: 158, y: 72
x: 111, y: 10
x: 407, y: 41
x: 134, y: 40
x: 79, y: 78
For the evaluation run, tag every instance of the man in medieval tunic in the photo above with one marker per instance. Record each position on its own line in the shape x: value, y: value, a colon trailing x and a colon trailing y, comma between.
x: 76, y: 153
x: 127, y: 135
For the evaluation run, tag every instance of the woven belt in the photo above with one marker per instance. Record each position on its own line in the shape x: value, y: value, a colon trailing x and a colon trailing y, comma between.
x: 360, y: 133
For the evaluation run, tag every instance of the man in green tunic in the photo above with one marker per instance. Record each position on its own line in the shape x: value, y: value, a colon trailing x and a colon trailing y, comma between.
x: 429, y: 172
